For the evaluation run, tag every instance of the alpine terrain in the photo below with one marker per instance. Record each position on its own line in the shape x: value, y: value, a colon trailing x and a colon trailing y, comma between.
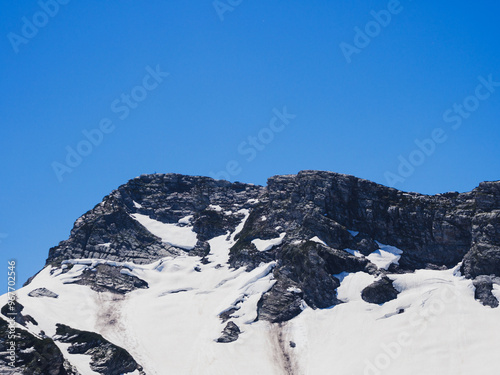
x: 315, y: 273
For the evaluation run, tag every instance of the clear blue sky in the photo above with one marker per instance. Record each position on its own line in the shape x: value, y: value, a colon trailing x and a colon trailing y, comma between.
x: 229, y: 70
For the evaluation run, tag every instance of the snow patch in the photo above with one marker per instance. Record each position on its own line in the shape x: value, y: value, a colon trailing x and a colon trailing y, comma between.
x: 186, y: 220
x: 181, y: 237
x: 317, y: 239
x: 240, y: 226
x: 351, y: 285
x: 80, y: 361
x: 265, y: 245
x: 385, y: 256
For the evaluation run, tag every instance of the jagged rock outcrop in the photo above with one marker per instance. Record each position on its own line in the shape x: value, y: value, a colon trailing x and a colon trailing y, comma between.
x: 338, y: 211
x: 230, y: 333
x: 484, y: 255
x: 430, y: 229
x: 106, y: 358
x: 33, y: 355
x: 106, y: 278
x: 305, y: 273
x: 42, y: 292
x: 40, y: 355
x: 381, y: 291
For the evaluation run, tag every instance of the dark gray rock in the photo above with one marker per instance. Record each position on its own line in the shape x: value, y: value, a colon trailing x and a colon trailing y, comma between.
x: 280, y: 304
x: 484, y: 255
x: 364, y: 243
x: 33, y: 355
x: 106, y: 358
x: 380, y: 291
x: 226, y: 315
x: 230, y: 333
x: 309, y: 267
x: 484, y: 286
x: 429, y: 229
x: 42, y: 292
x: 106, y: 278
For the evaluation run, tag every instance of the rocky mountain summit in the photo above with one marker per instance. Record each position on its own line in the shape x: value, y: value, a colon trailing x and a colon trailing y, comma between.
x: 343, y: 211
x: 311, y: 230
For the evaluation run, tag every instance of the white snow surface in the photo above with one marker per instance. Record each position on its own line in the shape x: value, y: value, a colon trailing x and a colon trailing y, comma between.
x: 385, y: 256
x: 318, y: 240
x: 265, y: 245
x: 215, y: 207
x: 179, y: 236
x: 443, y: 330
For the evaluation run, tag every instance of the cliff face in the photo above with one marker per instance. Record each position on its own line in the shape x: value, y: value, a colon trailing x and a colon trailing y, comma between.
x: 432, y: 230
x: 340, y: 211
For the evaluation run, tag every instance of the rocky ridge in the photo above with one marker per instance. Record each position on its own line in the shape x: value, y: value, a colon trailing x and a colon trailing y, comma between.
x: 343, y: 211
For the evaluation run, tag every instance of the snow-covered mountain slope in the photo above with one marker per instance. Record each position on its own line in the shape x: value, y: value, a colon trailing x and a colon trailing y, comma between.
x: 179, y: 275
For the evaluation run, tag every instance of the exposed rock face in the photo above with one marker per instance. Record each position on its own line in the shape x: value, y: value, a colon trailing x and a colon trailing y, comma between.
x: 34, y: 355
x: 305, y: 273
x: 430, y: 230
x: 230, y: 333
x: 42, y: 292
x: 380, y: 291
x: 106, y: 278
x: 433, y: 231
x: 484, y: 255
x: 483, y: 292
x: 106, y: 358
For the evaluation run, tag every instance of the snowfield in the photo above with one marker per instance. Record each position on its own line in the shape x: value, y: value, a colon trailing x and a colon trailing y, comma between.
x: 179, y: 236
x: 435, y: 326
